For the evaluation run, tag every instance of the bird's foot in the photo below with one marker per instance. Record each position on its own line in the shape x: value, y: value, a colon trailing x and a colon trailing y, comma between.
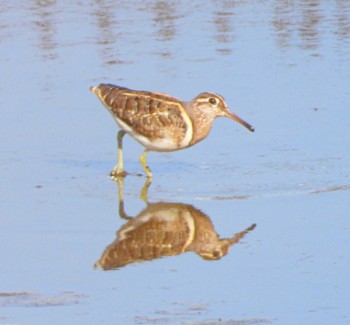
x: 117, y: 173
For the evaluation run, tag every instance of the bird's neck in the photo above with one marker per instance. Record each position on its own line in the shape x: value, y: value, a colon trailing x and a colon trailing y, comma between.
x: 201, y: 123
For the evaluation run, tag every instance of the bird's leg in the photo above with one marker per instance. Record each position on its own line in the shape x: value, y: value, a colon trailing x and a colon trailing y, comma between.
x: 118, y: 170
x: 143, y: 162
x: 120, y: 183
x: 122, y: 214
x: 144, y: 190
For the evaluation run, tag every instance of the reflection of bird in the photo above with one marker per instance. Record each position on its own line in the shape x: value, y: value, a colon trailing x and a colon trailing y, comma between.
x: 166, y: 229
x: 161, y: 122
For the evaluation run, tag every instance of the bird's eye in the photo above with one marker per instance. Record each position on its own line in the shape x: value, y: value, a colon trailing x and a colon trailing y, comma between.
x: 212, y: 101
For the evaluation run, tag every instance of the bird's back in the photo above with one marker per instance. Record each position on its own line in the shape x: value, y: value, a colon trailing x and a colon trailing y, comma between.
x: 158, y: 121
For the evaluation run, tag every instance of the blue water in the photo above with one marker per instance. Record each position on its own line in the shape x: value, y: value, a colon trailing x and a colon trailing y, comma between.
x: 282, y: 66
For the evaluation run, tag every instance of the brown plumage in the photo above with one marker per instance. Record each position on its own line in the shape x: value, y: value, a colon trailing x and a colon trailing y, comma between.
x: 161, y: 122
x: 166, y: 229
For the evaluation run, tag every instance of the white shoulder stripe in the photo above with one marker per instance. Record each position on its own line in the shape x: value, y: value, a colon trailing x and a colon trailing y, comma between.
x: 189, y: 133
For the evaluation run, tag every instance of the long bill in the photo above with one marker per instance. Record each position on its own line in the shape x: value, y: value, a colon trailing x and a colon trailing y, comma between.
x: 236, y: 118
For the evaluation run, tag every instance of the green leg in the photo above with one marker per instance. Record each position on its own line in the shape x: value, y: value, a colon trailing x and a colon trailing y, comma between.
x: 122, y: 214
x: 143, y: 161
x: 144, y: 190
x: 118, y: 170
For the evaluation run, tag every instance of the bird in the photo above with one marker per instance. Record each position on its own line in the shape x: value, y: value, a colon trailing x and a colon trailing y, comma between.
x: 166, y: 229
x: 160, y: 122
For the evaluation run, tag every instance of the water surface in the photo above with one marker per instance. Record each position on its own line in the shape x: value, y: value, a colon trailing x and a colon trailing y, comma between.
x: 282, y: 66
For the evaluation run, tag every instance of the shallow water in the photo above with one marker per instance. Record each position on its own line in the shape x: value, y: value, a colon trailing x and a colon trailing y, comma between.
x: 282, y: 66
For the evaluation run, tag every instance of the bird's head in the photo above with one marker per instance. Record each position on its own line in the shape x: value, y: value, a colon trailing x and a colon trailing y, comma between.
x: 213, y: 105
